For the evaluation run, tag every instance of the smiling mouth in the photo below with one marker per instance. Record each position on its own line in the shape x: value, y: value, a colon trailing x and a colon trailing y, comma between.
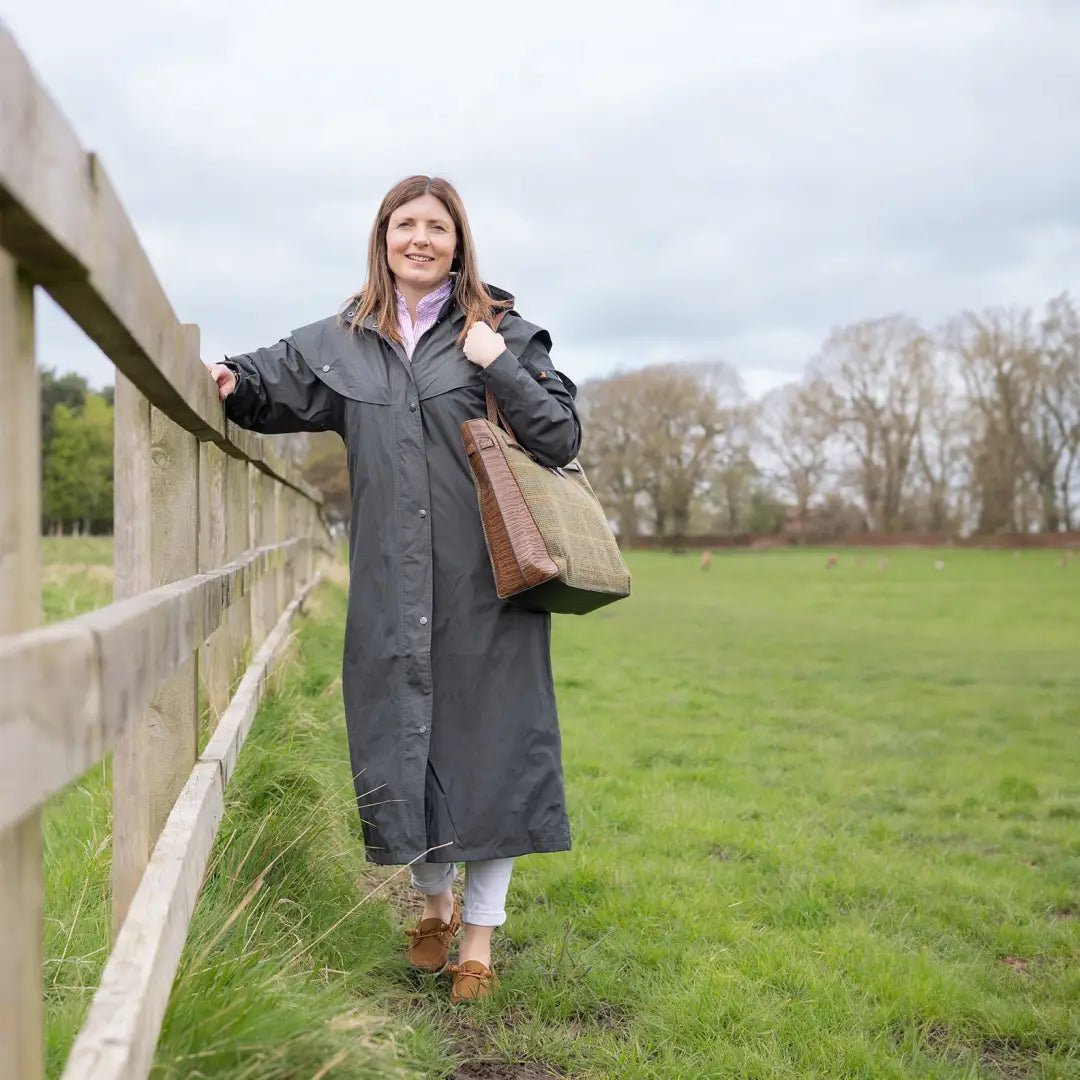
x: 420, y: 258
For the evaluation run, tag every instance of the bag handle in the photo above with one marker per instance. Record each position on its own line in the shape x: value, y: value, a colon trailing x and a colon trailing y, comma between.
x: 495, y: 415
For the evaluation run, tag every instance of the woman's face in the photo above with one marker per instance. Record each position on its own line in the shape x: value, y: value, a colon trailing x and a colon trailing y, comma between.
x: 420, y: 243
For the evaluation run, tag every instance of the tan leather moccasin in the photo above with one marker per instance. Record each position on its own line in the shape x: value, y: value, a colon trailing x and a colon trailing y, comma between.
x: 472, y: 981
x: 429, y: 944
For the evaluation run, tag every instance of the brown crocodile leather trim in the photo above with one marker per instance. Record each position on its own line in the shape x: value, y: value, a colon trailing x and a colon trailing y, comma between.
x: 518, y: 554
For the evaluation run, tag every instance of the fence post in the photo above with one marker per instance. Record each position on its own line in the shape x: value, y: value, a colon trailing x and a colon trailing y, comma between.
x: 214, y: 552
x: 22, y: 1037
x: 174, y: 712
x: 288, y: 531
x: 272, y: 510
x: 239, y: 538
x: 157, y: 506
x: 257, y: 533
x: 131, y: 556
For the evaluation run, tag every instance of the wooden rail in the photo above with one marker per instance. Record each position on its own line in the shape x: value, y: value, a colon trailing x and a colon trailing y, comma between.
x: 217, y: 542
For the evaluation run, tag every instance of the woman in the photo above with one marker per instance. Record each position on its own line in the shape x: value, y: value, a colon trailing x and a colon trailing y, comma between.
x: 449, y: 703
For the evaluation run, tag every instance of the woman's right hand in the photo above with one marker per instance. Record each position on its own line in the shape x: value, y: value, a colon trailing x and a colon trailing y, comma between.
x: 225, y: 378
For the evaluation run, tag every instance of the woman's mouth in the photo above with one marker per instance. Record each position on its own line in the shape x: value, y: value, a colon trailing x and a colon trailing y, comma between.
x: 420, y: 258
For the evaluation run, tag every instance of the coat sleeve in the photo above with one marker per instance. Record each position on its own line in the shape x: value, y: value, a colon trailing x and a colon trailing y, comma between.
x: 276, y: 392
x: 538, y: 401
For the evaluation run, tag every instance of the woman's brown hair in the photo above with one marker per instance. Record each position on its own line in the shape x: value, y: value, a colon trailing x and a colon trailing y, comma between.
x: 377, y: 296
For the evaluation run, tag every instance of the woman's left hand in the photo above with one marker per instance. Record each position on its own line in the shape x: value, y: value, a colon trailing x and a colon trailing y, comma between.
x: 482, y: 345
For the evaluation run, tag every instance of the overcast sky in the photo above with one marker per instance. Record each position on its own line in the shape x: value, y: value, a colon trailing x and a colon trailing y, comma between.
x: 676, y: 181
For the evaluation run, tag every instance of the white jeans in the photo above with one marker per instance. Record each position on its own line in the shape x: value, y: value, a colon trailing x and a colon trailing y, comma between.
x: 486, y: 884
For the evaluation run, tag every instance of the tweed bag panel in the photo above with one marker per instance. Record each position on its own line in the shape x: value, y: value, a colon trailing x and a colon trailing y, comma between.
x: 571, y: 522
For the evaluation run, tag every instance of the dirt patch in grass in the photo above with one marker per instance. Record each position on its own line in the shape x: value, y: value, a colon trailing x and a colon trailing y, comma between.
x: 1017, y: 963
x: 505, y: 1070
x: 610, y: 1017
x: 729, y: 853
x: 999, y: 1057
x: 470, y: 1034
x: 470, y: 1037
x: 1007, y: 1058
x: 1034, y: 965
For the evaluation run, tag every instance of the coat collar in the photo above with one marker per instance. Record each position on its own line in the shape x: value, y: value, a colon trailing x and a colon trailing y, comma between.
x: 449, y: 308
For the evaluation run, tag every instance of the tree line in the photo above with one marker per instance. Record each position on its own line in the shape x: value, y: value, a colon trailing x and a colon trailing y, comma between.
x: 973, y: 427
x: 77, y: 455
x: 970, y: 428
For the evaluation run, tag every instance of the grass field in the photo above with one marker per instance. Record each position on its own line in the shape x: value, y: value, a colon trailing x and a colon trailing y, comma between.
x: 76, y: 575
x: 827, y: 824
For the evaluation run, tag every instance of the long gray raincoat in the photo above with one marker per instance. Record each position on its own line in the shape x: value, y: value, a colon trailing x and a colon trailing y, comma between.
x: 449, y: 702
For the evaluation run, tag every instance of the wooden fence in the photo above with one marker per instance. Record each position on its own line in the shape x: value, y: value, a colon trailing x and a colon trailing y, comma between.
x: 217, y: 543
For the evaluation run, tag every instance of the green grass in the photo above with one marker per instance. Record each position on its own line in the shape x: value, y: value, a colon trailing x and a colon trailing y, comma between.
x: 827, y: 824
x: 76, y: 575
x: 826, y: 820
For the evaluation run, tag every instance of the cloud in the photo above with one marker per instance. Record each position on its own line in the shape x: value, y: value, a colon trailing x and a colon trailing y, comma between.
x: 696, y: 180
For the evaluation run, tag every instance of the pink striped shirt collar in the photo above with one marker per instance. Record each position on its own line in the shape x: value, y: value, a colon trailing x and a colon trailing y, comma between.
x: 427, y: 311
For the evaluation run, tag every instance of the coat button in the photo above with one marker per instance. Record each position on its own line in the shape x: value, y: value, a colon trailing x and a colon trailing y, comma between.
x: 423, y: 620
x: 422, y: 728
x: 326, y: 367
x: 412, y: 406
x: 423, y: 513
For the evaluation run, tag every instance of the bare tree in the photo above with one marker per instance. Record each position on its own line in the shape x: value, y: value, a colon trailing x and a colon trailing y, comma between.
x: 726, y: 484
x: 681, y: 423
x: 889, y: 430
x: 939, y: 446
x: 611, y: 448
x: 729, y: 485
x: 1059, y: 400
x: 995, y: 350
x: 794, y: 427
x: 877, y: 374
x: 655, y: 432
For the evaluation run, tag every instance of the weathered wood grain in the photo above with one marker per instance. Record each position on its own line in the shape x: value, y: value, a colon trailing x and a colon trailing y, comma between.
x: 20, y: 479
x: 174, y: 710
x: 22, y: 1010
x: 21, y: 1006
x: 132, y: 576
x: 214, y: 664
x: 43, y: 175
x: 260, y: 620
x: 239, y: 539
x: 71, y: 689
